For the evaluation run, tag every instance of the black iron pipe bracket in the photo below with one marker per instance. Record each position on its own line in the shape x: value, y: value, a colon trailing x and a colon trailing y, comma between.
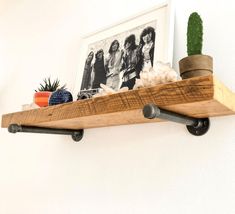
x: 76, y: 135
x: 195, y: 126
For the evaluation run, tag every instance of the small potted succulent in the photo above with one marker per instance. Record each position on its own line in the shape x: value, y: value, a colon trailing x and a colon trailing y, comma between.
x: 196, y: 64
x: 43, y: 93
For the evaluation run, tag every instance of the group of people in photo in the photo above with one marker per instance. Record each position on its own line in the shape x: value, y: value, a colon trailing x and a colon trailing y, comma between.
x: 120, y: 66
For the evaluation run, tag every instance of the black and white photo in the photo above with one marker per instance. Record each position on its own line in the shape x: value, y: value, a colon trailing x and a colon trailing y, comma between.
x: 116, y: 55
x: 118, y: 60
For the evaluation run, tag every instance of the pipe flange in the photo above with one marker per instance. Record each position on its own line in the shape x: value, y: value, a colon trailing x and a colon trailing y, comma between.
x: 200, y: 128
x: 77, y: 135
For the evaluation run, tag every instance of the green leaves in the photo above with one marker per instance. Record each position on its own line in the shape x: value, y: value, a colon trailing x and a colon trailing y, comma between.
x: 50, y: 86
x: 194, y: 34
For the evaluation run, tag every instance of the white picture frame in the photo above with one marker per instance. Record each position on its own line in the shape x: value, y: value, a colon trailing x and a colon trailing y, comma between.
x: 162, y: 16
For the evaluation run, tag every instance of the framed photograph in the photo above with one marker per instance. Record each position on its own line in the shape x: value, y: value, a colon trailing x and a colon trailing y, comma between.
x: 116, y: 55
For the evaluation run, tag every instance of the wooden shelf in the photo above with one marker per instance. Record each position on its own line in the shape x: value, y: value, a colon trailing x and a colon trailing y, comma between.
x: 196, y: 97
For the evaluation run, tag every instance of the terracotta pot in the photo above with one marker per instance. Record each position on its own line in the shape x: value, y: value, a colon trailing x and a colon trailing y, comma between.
x: 196, y: 65
x: 41, y: 98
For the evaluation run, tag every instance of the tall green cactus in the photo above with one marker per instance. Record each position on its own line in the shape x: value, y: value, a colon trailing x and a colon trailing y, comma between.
x: 194, y: 34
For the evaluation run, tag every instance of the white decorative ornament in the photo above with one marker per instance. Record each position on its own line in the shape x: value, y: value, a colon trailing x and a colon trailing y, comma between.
x: 106, y: 90
x: 161, y: 73
x: 26, y: 107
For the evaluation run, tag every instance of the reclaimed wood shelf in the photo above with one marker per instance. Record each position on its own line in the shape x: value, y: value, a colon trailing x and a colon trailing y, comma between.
x: 196, y: 97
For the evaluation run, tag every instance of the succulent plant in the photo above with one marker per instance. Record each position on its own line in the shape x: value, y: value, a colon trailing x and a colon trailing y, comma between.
x: 48, y: 85
x: 194, y: 34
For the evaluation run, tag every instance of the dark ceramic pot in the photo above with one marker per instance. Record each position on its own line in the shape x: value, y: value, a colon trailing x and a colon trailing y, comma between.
x: 60, y: 96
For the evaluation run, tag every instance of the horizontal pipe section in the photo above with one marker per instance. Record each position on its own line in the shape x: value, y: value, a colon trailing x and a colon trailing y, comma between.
x: 14, y: 128
x: 151, y: 111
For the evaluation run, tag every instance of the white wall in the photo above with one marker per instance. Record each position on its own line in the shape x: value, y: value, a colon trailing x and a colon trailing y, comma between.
x: 147, y: 168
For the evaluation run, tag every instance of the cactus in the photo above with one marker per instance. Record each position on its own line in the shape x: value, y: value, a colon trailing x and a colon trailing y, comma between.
x: 194, y: 34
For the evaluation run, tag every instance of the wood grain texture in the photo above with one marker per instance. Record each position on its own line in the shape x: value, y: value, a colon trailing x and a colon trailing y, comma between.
x: 198, y: 97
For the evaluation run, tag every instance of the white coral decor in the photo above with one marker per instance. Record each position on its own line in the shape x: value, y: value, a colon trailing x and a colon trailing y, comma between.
x: 106, y: 90
x: 161, y: 73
